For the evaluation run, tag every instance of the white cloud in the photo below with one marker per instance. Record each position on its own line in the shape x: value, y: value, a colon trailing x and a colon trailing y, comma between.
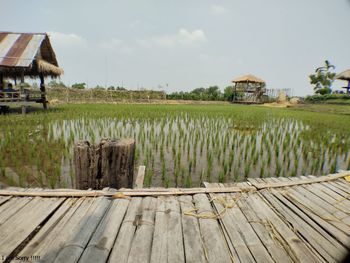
x: 116, y: 45
x: 203, y: 57
x: 111, y: 44
x: 182, y: 38
x: 218, y: 10
x: 59, y: 39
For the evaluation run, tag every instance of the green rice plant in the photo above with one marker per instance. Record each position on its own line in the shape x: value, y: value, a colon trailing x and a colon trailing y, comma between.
x: 247, y: 170
x: 333, y: 168
x: 262, y: 171
x: 148, y: 178
x: 188, y: 181
x: 278, y: 169
x: 222, y: 177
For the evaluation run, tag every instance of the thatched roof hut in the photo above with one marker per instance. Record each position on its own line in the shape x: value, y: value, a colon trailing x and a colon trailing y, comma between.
x: 345, y: 75
x: 248, y: 89
x: 28, y: 54
x: 248, y: 78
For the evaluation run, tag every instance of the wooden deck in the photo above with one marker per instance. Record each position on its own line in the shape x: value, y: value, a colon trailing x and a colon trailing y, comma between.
x: 304, y: 219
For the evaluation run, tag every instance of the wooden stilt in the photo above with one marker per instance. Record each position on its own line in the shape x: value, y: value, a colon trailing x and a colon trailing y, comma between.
x: 108, y: 164
x: 24, y: 109
x: 43, y: 91
x: 1, y: 81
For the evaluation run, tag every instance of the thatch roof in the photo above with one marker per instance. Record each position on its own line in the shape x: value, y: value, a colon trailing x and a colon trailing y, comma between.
x: 248, y: 78
x: 27, y: 53
x: 345, y: 75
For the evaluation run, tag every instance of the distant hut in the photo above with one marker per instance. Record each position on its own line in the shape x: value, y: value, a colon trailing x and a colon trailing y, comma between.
x: 345, y: 75
x: 248, y: 89
x: 26, y: 55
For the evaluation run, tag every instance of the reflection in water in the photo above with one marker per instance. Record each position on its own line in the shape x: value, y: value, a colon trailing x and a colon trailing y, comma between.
x: 185, y: 150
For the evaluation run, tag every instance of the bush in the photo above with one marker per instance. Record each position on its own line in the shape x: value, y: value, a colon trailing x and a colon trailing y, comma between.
x: 324, y: 91
x: 326, y: 97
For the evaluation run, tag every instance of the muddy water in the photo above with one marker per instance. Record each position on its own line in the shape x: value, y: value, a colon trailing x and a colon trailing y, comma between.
x: 185, y: 150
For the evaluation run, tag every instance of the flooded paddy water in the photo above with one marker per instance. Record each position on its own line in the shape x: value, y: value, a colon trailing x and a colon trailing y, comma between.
x: 180, y: 145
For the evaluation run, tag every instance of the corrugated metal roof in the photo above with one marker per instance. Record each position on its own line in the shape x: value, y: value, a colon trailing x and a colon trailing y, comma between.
x: 19, y: 49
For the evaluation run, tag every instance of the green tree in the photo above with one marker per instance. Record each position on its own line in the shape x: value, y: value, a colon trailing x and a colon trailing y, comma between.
x: 228, y: 93
x: 214, y: 92
x: 323, y: 78
x: 55, y: 84
x: 78, y: 86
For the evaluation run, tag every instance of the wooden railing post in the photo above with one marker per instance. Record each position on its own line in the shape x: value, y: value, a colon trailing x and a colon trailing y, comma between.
x: 108, y: 164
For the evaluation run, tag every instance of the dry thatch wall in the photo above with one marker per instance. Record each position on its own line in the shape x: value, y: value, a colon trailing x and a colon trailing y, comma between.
x: 102, y: 95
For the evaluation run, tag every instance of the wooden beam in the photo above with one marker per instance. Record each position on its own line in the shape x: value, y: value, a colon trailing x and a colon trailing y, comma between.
x: 124, y: 193
x: 1, y: 81
x: 320, y: 179
x: 43, y: 91
x: 140, y: 177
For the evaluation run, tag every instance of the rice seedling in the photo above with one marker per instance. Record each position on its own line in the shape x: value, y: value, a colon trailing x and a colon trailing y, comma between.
x: 179, y: 143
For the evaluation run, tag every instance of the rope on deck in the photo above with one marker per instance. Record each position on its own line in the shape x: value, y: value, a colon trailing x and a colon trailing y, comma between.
x: 125, y: 193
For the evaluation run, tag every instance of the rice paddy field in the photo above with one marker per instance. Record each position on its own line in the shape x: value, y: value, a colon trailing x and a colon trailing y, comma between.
x: 181, y: 145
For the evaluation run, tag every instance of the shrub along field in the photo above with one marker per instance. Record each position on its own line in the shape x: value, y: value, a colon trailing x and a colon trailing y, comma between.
x: 181, y: 145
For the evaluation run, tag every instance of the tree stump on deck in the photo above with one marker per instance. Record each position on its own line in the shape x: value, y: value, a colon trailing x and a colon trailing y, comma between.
x: 108, y: 164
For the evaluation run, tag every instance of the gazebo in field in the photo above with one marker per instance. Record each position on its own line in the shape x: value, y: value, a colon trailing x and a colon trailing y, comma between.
x: 25, y: 55
x: 248, y: 89
x: 345, y: 75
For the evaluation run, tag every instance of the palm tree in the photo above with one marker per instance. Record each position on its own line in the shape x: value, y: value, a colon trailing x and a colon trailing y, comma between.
x: 323, y: 78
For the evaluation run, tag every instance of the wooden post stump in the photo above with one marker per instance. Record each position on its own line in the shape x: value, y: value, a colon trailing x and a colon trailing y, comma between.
x: 108, y: 164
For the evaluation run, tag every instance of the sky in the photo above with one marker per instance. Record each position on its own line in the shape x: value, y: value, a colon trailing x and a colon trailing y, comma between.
x: 180, y: 45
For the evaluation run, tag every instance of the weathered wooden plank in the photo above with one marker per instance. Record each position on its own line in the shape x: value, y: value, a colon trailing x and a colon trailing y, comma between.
x: 321, y: 208
x: 63, y: 239
x: 338, y: 197
x: 121, y: 248
x: 343, y: 182
x: 233, y: 252
x: 160, y: 246
x: 140, y: 177
x: 323, y: 221
x: 193, y: 243
x: 52, y: 229
x: 214, y: 241
x: 333, y: 189
x: 336, y: 190
x: 243, y: 228
x: 296, y: 249
x: 15, y: 230
x: 272, y: 245
x: 322, y: 199
x: 168, y: 240
x: 126, y: 192
x: 243, y: 238
x: 327, y: 247
x: 299, y: 181
x: 330, y: 197
x: 4, y: 199
x: 342, y: 186
x: 316, y: 221
x: 140, y: 250
x: 174, y: 231
x: 77, y: 240
x: 10, y: 208
x: 102, y: 241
